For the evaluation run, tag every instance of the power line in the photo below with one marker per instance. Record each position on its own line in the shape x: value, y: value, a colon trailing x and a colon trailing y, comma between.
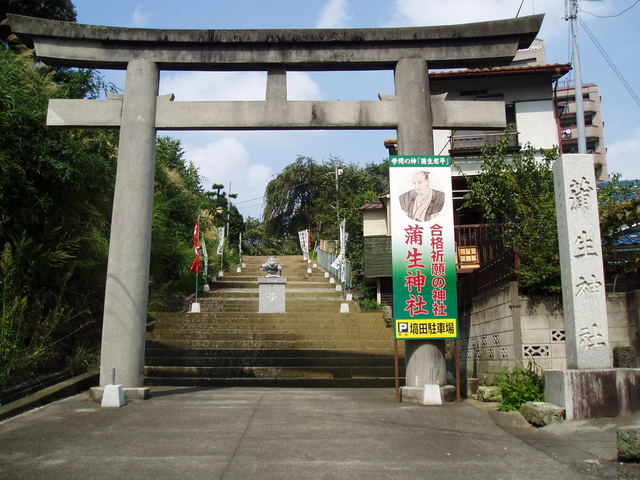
x: 611, y: 16
x: 250, y: 200
x: 606, y: 57
x: 519, y: 8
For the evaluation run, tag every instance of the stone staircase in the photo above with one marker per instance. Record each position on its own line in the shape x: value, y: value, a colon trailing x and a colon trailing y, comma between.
x: 311, y: 345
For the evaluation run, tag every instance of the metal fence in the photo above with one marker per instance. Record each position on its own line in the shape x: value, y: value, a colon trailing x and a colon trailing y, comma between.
x: 325, y: 259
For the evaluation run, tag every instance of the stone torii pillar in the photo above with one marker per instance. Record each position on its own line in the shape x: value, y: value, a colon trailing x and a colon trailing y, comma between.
x: 127, y: 290
x: 140, y: 112
x: 415, y: 137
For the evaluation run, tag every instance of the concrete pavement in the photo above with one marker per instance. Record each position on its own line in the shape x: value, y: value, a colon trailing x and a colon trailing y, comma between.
x: 275, y: 433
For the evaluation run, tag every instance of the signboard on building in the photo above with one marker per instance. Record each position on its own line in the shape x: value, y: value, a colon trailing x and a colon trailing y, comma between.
x: 425, y: 297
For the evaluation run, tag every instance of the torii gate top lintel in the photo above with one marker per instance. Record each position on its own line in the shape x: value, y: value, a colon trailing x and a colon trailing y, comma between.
x: 472, y: 45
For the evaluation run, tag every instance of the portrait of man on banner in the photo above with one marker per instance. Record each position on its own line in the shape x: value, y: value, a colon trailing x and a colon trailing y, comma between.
x: 422, y: 203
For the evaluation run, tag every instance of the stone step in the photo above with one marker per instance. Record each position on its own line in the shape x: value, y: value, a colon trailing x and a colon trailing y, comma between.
x: 245, y: 336
x: 156, y: 350
x: 296, y: 361
x: 290, y: 294
x: 230, y: 343
x: 273, y: 382
x: 302, y: 317
x: 270, y: 372
x: 290, y: 285
x: 382, y: 346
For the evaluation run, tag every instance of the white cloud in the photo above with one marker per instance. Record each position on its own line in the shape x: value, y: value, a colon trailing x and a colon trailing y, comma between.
x: 300, y: 86
x: 190, y: 86
x: 227, y: 160
x: 436, y: 12
x: 623, y: 156
x: 139, y: 19
x: 334, y: 15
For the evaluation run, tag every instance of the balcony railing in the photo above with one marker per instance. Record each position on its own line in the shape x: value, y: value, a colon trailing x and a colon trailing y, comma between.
x: 472, y: 144
x: 475, y: 244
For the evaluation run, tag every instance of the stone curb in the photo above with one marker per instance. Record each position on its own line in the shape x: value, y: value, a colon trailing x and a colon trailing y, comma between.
x: 60, y: 390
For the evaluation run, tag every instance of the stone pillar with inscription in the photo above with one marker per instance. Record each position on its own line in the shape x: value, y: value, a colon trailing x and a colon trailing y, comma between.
x: 583, y: 291
x: 589, y: 387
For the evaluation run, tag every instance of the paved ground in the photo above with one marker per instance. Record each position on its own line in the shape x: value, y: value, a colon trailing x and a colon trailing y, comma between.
x: 267, y: 433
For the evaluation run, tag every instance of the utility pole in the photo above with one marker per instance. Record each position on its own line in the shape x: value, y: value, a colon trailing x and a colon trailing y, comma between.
x: 572, y: 15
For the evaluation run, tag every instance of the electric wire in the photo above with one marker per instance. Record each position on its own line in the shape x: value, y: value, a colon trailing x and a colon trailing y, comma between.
x: 519, y: 8
x: 606, y: 57
x: 611, y: 16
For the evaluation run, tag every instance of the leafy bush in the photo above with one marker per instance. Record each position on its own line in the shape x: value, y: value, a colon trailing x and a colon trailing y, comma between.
x: 520, y: 385
x: 370, y: 305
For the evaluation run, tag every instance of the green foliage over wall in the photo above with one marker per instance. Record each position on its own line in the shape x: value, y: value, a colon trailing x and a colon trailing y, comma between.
x: 517, y: 192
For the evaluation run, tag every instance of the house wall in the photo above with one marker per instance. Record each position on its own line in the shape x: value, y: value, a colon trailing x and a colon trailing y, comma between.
x: 503, y: 329
x: 374, y: 222
x: 536, y: 124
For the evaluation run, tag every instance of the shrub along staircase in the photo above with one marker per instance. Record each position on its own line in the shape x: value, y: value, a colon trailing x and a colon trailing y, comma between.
x: 311, y: 345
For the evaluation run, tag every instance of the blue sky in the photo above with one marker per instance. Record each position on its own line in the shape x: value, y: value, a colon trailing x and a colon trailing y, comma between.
x: 250, y: 159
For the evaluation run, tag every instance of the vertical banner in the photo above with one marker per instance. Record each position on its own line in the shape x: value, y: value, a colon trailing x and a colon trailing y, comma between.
x: 425, y: 296
x: 196, y: 266
x: 303, y: 236
x: 339, y: 263
x: 205, y: 254
x: 220, y: 249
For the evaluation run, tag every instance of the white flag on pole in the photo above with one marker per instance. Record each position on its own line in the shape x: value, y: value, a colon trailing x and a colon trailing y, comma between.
x: 206, y: 258
x: 303, y: 235
x: 220, y: 241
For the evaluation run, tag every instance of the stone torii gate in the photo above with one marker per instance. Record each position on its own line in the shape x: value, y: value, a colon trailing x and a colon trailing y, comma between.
x: 140, y: 112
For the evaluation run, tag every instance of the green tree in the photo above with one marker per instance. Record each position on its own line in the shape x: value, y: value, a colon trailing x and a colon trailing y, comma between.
x: 517, y: 193
x: 51, y: 9
x: 304, y: 196
x: 56, y: 188
x: 619, y: 208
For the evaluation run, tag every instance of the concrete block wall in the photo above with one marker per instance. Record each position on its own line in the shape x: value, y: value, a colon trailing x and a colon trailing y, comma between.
x: 622, y: 313
x: 542, y: 332
x: 503, y: 329
x: 487, y: 333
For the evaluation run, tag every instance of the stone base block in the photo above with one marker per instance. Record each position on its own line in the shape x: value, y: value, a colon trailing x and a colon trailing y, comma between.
x: 542, y: 413
x: 416, y: 394
x: 195, y: 308
x: 130, y: 393
x: 344, y: 307
x: 489, y: 393
x: 628, y: 443
x: 271, y: 295
x: 113, y: 396
x: 594, y: 393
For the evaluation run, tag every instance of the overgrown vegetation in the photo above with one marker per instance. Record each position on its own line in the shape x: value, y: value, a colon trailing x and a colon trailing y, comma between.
x: 56, y: 190
x: 371, y: 305
x: 520, y: 385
